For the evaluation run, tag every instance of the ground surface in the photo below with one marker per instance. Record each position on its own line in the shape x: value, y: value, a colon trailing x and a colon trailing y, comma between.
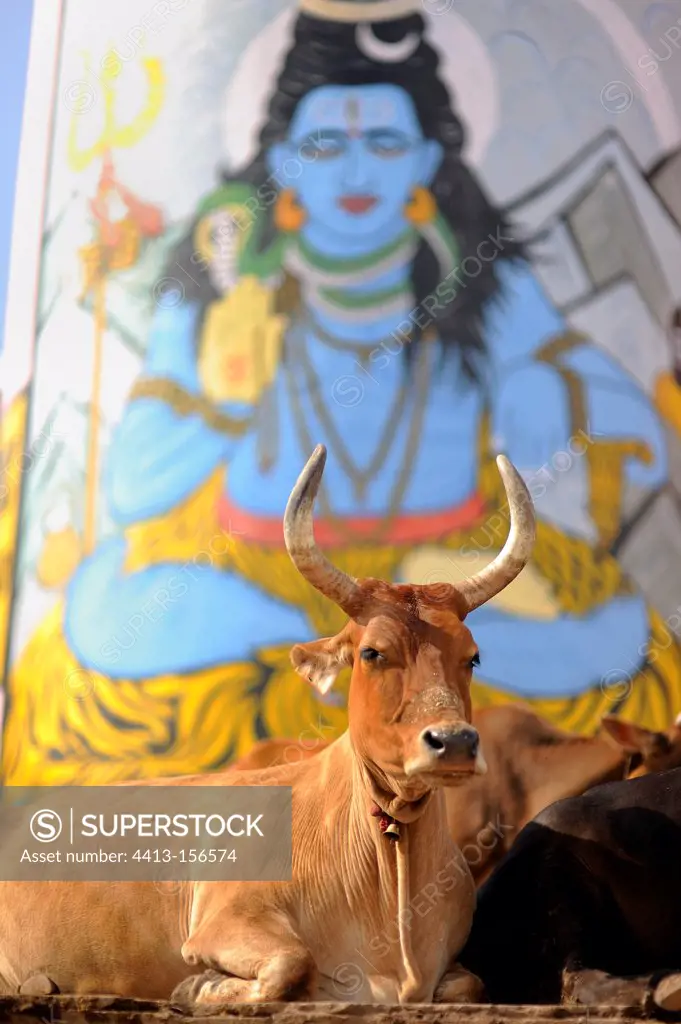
x: 113, y: 1010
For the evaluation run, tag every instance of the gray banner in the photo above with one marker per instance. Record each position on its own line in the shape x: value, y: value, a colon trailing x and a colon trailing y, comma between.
x: 145, y: 833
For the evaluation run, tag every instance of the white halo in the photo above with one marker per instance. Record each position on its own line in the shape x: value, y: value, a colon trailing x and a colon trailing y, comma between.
x: 465, y: 67
x: 468, y: 70
x: 251, y: 85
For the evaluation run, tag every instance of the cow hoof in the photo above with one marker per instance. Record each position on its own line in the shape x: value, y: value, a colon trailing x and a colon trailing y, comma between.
x: 591, y: 987
x: 459, y: 986
x: 667, y: 994
x: 212, y: 987
x: 38, y: 985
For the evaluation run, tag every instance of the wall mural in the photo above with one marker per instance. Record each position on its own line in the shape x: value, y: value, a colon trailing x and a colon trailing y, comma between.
x: 420, y: 233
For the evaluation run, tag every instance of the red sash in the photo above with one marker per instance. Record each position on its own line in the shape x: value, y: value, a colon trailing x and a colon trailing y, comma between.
x: 410, y: 528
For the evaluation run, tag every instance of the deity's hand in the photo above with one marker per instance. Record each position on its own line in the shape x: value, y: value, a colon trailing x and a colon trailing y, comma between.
x: 240, y: 343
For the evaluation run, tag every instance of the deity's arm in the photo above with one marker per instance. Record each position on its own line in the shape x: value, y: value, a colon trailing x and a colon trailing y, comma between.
x: 530, y: 407
x: 620, y: 412
x: 171, y: 437
x: 557, y: 396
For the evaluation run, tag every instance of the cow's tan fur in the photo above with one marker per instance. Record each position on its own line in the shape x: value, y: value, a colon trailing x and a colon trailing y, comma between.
x: 332, y: 932
x: 338, y: 930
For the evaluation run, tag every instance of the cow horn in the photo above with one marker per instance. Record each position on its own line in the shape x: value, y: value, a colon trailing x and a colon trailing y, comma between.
x: 340, y: 588
x: 515, y: 553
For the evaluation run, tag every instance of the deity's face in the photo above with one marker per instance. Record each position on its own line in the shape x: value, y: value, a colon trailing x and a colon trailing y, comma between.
x: 353, y: 157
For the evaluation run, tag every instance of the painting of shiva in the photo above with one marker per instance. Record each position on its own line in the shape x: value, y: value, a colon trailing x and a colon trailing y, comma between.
x: 345, y: 232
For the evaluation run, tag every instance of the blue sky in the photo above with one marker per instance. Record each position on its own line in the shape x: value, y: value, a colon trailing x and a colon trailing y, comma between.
x: 15, y: 28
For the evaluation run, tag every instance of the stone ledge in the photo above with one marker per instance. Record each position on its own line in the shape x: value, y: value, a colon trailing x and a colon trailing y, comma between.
x: 115, y: 1010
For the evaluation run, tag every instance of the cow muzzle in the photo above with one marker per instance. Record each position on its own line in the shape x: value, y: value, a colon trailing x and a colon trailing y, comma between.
x: 447, y: 750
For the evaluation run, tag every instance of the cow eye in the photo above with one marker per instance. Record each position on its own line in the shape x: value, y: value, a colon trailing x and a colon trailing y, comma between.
x: 475, y: 660
x: 369, y: 654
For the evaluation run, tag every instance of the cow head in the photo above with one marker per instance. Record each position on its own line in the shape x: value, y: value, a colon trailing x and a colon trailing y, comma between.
x: 650, y: 751
x: 411, y: 654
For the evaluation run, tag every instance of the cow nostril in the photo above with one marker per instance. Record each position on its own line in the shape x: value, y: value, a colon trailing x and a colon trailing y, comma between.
x: 435, y: 742
x: 466, y: 741
x: 455, y: 743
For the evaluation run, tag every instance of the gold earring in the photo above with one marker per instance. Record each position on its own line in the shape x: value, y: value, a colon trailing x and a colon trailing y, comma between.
x: 288, y: 214
x: 421, y: 208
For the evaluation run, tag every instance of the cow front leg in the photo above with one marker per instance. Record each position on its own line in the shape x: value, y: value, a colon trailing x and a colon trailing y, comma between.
x: 249, y: 963
x: 458, y: 985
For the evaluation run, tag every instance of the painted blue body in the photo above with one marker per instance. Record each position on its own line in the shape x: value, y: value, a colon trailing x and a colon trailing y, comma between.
x: 157, y: 458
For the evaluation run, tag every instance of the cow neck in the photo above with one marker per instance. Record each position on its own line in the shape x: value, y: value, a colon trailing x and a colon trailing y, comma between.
x: 396, y: 816
x: 392, y: 806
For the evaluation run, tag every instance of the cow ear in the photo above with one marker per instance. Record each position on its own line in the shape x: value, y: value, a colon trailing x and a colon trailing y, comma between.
x: 320, y: 661
x: 634, y: 739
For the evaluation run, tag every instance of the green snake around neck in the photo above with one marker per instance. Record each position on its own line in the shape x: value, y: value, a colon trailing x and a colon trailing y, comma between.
x: 336, y: 285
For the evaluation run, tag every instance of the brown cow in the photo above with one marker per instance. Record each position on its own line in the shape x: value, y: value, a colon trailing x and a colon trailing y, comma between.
x: 276, y: 752
x: 649, y: 751
x: 344, y: 928
x: 530, y: 762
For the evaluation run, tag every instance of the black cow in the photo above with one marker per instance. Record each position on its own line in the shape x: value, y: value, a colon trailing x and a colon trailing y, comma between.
x: 593, y: 882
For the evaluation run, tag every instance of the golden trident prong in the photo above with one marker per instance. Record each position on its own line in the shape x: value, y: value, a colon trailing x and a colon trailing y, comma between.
x: 113, y: 135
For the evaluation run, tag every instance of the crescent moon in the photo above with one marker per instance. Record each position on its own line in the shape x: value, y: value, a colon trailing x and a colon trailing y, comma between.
x: 465, y: 66
x: 382, y: 52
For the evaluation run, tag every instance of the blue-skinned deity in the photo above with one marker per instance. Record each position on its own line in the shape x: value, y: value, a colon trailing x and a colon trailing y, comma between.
x: 352, y: 285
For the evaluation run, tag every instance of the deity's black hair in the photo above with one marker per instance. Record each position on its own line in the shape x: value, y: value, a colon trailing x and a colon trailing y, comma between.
x: 326, y: 53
